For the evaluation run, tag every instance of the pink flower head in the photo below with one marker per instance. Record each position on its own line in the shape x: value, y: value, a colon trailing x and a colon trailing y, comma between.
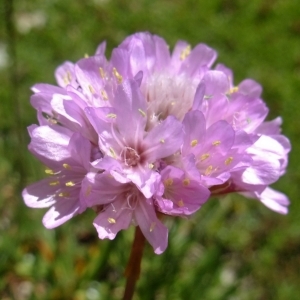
x: 151, y: 132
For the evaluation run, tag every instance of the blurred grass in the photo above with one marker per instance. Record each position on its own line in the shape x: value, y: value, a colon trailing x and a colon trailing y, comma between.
x: 233, y: 248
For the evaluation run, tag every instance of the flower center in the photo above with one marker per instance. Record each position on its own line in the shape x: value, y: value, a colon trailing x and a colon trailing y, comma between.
x: 168, y: 95
x: 130, y: 156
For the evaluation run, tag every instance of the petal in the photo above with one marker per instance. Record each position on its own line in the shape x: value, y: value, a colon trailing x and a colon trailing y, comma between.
x: 275, y: 200
x: 113, y: 219
x: 65, y: 74
x: 62, y: 211
x: 194, y: 127
x: 154, y: 231
x: 50, y: 144
x: 101, y: 49
x: 40, y: 194
x: 164, y: 139
x: 131, y: 112
x: 80, y: 149
x: 100, y: 189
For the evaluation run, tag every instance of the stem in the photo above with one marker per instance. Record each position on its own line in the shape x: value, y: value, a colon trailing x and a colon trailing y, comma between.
x: 132, y: 272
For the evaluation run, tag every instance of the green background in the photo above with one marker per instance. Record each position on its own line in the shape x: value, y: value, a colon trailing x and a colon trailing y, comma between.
x: 233, y: 248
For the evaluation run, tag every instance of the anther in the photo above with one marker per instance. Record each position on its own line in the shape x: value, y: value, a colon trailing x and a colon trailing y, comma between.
x: 117, y: 75
x: 216, y: 143
x: 185, y: 52
x: 111, y: 220
x: 228, y: 161
x: 194, y: 143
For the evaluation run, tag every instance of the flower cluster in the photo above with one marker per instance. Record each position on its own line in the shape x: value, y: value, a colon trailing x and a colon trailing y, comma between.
x: 148, y: 133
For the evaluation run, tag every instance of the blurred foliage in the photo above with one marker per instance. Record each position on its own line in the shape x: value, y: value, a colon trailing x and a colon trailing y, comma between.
x: 233, y: 248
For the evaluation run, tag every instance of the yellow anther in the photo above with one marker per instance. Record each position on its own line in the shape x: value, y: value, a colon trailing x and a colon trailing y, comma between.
x: 49, y: 172
x: 111, y: 220
x: 86, y: 55
x: 52, y: 121
x: 64, y: 194
x: 216, y: 143
x: 102, y: 73
x: 111, y: 116
x: 162, y: 141
x: 208, y: 170
x: 88, y: 190
x: 233, y: 90
x: 228, y: 161
x: 67, y: 166
x: 52, y: 183
x: 66, y: 80
x: 91, y: 89
x: 117, y: 75
x: 152, y: 226
x: 204, y: 156
x: 194, y: 143
x: 104, y: 95
x: 168, y: 182
x: 248, y: 120
x: 112, y: 152
x: 151, y: 166
x: 180, y: 203
x: 69, y: 76
x: 185, y: 52
x: 142, y: 112
x: 70, y: 183
x: 186, y: 181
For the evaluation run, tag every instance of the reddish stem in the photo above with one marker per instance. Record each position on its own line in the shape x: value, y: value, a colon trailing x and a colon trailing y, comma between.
x: 132, y: 272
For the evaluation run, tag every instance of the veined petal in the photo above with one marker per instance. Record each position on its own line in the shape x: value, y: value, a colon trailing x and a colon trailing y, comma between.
x: 40, y: 194
x: 154, y: 231
x: 164, y: 139
x: 112, y: 219
x: 131, y: 111
x: 62, y: 211
x: 275, y: 200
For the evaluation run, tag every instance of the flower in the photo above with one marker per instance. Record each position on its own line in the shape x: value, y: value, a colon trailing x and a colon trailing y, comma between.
x: 151, y: 133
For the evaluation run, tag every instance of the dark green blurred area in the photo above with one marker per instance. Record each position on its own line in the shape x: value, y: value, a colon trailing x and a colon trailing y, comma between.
x: 233, y: 248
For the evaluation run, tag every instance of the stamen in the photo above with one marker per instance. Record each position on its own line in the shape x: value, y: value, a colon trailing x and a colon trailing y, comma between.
x: 88, y: 190
x: 180, y: 203
x: 233, y: 90
x: 91, y: 89
x: 208, y: 170
x: 86, y: 55
x: 186, y: 182
x: 70, y: 183
x: 142, y: 112
x: 117, y: 75
x: 185, y: 52
x: 228, y: 161
x: 162, y: 141
x: 104, y: 95
x: 216, y: 143
x: 168, y: 182
x: 151, y: 166
x: 194, y: 143
x: 111, y: 220
x: 52, y: 183
x: 204, y: 156
x: 67, y: 166
x: 111, y: 116
x: 64, y: 194
x: 112, y: 152
x: 49, y: 172
x: 102, y: 73
x: 69, y: 76
x: 152, y: 226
